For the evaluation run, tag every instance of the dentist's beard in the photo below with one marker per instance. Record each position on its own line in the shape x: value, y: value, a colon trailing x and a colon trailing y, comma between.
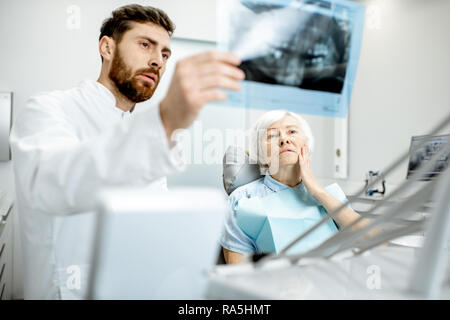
x: 131, y: 87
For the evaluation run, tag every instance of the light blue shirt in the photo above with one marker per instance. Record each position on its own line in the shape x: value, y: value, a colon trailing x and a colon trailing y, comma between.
x: 234, y: 238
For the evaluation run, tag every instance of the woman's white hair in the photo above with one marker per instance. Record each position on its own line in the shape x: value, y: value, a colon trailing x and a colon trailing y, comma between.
x: 261, y: 125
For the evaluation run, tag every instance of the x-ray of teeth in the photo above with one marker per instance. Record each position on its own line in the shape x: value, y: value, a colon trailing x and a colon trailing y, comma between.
x: 309, y: 45
x: 292, y: 46
x: 424, y: 155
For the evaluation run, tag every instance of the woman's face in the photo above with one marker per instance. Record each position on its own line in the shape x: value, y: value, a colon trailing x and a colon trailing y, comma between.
x: 283, y: 142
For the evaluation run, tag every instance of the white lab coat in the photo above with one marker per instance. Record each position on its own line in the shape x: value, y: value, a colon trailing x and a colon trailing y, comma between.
x: 66, y: 146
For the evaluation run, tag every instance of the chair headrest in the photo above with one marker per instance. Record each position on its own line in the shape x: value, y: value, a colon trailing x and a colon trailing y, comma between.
x: 237, y: 169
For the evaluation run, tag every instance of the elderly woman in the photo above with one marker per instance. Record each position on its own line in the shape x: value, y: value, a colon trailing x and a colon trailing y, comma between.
x: 288, y: 200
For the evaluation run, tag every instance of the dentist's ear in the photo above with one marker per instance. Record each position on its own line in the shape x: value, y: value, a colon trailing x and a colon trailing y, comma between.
x: 106, y: 47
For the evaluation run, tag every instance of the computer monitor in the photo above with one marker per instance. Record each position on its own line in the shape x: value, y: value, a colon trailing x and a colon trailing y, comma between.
x: 156, y: 245
x: 424, y: 154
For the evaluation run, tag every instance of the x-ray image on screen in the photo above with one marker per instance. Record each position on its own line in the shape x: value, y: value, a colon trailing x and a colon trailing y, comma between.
x: 314, y: 55
x: 299, y: 54
x: 424, y: 154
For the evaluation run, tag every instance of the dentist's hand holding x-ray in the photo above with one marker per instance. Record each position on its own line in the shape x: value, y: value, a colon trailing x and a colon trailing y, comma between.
x: 196, y: 81
x: 68, y: 146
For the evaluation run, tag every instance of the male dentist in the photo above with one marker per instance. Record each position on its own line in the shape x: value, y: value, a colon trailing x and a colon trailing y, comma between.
x: 69, y: 145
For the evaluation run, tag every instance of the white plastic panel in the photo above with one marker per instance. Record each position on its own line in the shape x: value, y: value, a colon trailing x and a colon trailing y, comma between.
x: 341, y: 148
x: 5, y: 124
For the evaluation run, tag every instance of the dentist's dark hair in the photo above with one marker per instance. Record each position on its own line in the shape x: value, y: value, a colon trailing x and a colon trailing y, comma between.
x: 122, y: 20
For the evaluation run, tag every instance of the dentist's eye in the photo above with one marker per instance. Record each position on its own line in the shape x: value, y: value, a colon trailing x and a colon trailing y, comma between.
x: 144, y: 45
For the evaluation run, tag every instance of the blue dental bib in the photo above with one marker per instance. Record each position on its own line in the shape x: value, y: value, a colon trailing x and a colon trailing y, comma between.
x: 275, y: 220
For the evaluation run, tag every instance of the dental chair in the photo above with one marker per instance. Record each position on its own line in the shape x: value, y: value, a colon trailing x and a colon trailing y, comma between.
x: 237, y: 171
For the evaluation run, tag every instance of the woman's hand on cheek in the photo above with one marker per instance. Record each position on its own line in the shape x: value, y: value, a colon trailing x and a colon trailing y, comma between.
x: 306, y: 175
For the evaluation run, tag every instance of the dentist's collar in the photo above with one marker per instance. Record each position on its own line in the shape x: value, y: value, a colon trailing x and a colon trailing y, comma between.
x: 112, y: 99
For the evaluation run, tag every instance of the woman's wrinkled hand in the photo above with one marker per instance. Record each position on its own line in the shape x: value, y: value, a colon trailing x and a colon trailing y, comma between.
x: 306, y: 175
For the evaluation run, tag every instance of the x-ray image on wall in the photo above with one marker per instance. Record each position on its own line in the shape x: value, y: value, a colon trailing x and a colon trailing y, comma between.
x: 312, y: 45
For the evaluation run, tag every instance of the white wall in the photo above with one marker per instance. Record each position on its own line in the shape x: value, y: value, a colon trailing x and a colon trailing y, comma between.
x: 401, y: 89
x: 402, y: 84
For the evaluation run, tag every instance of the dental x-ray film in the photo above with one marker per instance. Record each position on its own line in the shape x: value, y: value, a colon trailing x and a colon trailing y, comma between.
x: 296, y: 55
